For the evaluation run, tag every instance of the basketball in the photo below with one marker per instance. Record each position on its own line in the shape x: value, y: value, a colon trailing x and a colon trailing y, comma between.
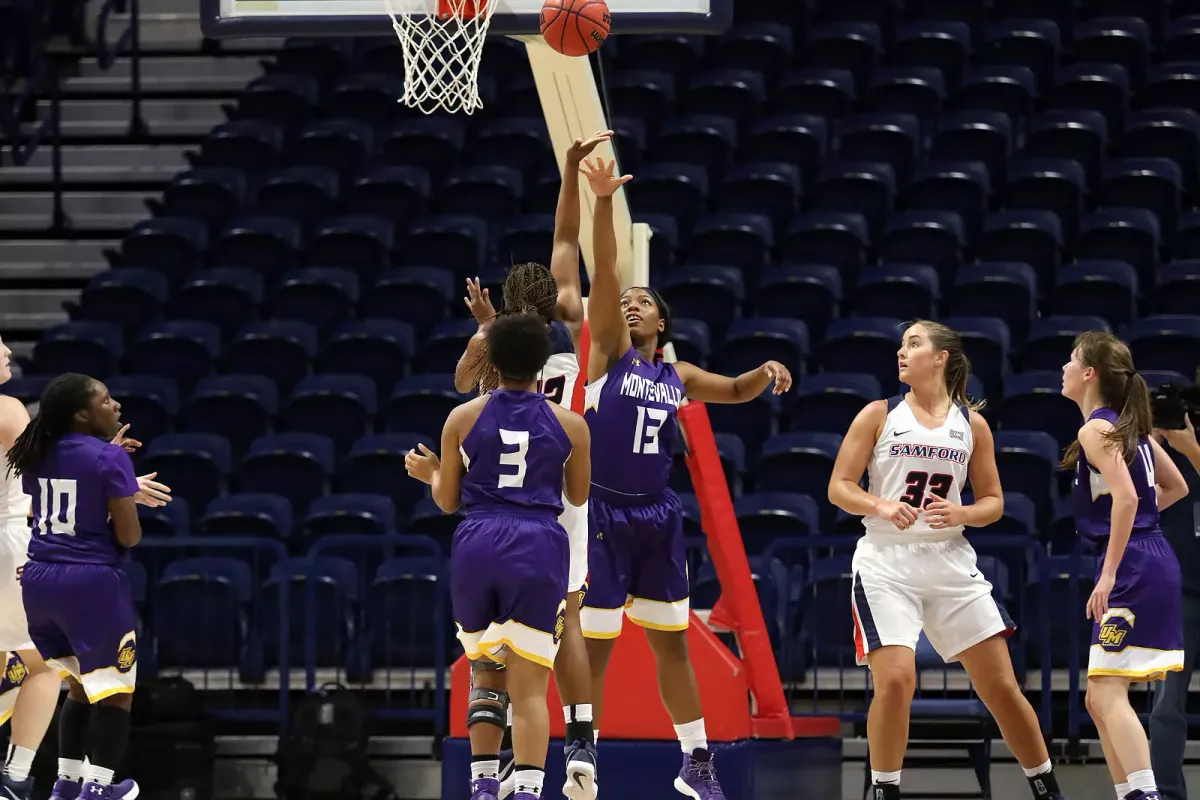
x: 575, y: 27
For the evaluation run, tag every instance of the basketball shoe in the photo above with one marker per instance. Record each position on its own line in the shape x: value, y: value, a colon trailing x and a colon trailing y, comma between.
x: 698, y: 777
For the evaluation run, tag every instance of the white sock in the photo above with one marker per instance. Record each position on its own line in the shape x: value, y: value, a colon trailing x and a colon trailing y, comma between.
x: 529, y: 781
x: 69, y: 769
x: 581, y: 712
x: 885, y: 777
x: 98, y: 775
x: 1142, y: 780
x: 1122, y: 790
x: 692, y: 736
x: 485, y: 769
x: 19, y: 762
x: 1041, y: 769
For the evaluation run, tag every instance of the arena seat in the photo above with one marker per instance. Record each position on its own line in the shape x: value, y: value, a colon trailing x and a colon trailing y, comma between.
x: 248, y: 514
x: 350, y: 513
x: 223, y: 296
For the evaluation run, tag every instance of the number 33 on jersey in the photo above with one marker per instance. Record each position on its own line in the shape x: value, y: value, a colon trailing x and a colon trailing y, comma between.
x: 916, y: 465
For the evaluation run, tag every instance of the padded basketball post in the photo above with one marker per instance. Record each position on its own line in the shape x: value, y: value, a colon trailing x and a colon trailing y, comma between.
x: 573, y: 110
x: 739, y: 609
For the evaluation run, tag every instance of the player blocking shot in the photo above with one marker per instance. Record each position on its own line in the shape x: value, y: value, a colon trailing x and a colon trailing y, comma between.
x: 637, y: 559
x: 555, y: 295
x: 76, y: 596
x: 510, y: 457
x: 1123, y: 478
x: 914, y: 568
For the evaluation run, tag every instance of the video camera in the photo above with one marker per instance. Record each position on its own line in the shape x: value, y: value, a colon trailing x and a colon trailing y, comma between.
x: 1170, y: 404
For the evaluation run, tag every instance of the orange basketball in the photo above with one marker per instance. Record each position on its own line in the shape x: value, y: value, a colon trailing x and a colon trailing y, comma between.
x: 575, y: 27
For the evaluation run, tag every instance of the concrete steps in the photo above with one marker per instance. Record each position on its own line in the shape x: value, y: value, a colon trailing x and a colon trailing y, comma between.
x: 111, y: 117
x: 127, y: 163
x: 87, y: 210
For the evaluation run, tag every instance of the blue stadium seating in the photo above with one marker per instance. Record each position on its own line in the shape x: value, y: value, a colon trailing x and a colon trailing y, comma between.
x: 281, y: 332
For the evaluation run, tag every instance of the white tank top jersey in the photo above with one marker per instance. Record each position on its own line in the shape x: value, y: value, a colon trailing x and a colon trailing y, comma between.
x: 561, y: 374
x: 14, y: 503
x: 916, y: 465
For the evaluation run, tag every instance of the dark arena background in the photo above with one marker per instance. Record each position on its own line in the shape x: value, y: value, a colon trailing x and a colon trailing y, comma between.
x: 219, y: 208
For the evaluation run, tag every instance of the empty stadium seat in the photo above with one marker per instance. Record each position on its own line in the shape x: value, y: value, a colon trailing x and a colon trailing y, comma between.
x: 297, y: 466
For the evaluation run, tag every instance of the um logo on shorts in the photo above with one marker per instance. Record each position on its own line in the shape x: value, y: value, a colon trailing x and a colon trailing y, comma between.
x: 560, y: 622
x: 1112, y: 635
x: 15, y: 671
x: 127, y: 654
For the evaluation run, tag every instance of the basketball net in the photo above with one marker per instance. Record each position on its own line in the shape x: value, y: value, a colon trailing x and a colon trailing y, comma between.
x: 442, y: 51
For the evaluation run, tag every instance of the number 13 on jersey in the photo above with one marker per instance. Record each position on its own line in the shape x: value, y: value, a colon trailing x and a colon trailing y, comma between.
x: 645, y: 433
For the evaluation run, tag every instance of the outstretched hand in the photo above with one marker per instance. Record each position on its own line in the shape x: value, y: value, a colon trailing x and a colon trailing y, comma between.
x: 124, y: 442
x: 600, y: 176
x: 780, y: 374
x: 422, y: 465
x: 151, y: 493
x: 479, y: 303
x: 582, y: 148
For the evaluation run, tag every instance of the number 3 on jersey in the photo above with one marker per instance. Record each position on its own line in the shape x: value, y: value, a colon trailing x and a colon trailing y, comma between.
x: 520, y: 440
x: 937, y: 485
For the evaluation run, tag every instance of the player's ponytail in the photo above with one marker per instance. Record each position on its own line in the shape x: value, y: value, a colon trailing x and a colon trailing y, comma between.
x: 958, y: 366
x: 62, y: 398
x: 1121, y: 389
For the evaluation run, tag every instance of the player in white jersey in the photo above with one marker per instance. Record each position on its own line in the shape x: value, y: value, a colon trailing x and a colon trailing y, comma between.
x: 914, y: 569
x: 28, y: 688
x: 556, y: 295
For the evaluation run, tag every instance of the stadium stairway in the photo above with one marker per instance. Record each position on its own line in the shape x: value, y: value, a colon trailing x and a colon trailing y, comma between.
x: 108, y: 175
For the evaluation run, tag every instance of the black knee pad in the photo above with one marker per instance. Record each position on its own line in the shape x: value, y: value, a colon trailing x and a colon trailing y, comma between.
x: 487, y: 707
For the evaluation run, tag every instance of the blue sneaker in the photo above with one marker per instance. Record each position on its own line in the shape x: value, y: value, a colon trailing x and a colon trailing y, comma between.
x: 12, y: 789
x: 65, y: 789
x: 581, y: 771
x: 125, y: 790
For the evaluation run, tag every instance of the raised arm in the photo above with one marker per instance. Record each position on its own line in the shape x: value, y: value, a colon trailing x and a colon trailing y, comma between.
x: 708, y: 387
x: 852, y: 460
x: 608, y: 328
x: 474, y: 359
x: 564, y: 259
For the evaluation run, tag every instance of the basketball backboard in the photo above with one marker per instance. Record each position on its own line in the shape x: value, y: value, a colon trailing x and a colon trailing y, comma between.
x: 222, y: 19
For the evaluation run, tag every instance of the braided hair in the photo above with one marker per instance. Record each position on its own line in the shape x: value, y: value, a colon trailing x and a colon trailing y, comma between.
x: 529, y: 288
x: 62, y: 398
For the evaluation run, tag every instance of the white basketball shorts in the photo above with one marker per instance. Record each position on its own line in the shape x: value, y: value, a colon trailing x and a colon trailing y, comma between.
x: 14, y: 549
x: 900, y: 589
x: 574, y: 520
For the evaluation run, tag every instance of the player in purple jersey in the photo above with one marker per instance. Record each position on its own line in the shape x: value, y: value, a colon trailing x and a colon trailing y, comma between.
x: 1123, y: 478
x: 76, y: 596
x: 554, y: 294
x: 510, y: 457
x: 28, y: 688
x: 637, y: 560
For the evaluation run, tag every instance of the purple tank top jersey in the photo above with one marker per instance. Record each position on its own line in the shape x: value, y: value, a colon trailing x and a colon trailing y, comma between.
x: 1093, y: 502
x: 70, y: 489
x: 631, y: 413
x: 515, y: 454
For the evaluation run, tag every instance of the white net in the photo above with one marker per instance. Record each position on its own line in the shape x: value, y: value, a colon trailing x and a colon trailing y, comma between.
x: 442, y: 50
